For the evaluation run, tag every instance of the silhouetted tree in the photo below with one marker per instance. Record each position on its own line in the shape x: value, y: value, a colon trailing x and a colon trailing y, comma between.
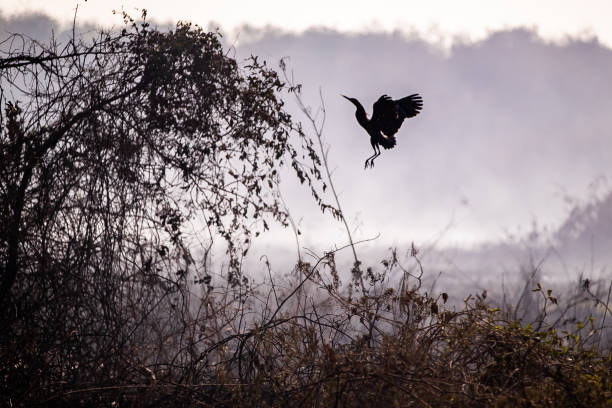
x: 113, y: 150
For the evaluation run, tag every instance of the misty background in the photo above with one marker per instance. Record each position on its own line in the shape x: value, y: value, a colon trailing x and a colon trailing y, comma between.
x: 507, y: 165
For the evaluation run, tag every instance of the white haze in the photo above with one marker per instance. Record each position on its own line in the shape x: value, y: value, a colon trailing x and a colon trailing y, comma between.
x: 512, y: 126
x: 508, y: 164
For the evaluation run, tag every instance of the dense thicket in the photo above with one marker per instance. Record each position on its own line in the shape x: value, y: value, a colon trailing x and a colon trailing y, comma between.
x: 119, y: 154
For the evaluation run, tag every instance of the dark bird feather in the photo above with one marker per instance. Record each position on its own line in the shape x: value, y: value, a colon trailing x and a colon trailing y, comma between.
x: 387, y: 117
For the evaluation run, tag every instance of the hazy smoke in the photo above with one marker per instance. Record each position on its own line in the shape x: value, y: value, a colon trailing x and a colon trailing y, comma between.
x: 510, y: 126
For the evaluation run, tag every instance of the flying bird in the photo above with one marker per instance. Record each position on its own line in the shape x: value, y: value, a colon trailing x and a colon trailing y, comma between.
x: 387, y: 117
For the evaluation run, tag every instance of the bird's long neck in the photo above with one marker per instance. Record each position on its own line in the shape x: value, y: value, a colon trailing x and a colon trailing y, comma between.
x: 361, y: 116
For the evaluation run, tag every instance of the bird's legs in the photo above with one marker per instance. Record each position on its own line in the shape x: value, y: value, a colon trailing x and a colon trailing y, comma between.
x: 370, y: 160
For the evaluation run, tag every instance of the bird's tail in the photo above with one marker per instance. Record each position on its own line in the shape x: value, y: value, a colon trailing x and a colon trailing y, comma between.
x: 388, y: 142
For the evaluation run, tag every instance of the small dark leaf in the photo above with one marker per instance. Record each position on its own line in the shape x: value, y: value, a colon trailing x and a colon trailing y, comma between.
x: 434, y: 308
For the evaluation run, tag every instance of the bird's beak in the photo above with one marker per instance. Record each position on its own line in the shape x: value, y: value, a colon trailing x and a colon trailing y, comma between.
x: 344, y: 96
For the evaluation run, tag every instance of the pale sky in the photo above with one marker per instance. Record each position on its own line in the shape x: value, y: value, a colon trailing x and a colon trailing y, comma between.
x: 436, y: 20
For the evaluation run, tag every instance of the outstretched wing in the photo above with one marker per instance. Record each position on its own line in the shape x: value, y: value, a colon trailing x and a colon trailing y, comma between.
x: 410, y: 106
x: 388, y: 115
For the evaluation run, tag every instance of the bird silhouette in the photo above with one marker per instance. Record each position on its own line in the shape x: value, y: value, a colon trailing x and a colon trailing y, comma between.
x: 387, y: 117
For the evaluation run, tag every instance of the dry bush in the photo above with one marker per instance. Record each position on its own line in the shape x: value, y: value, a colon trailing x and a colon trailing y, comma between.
x: 410, y: 349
